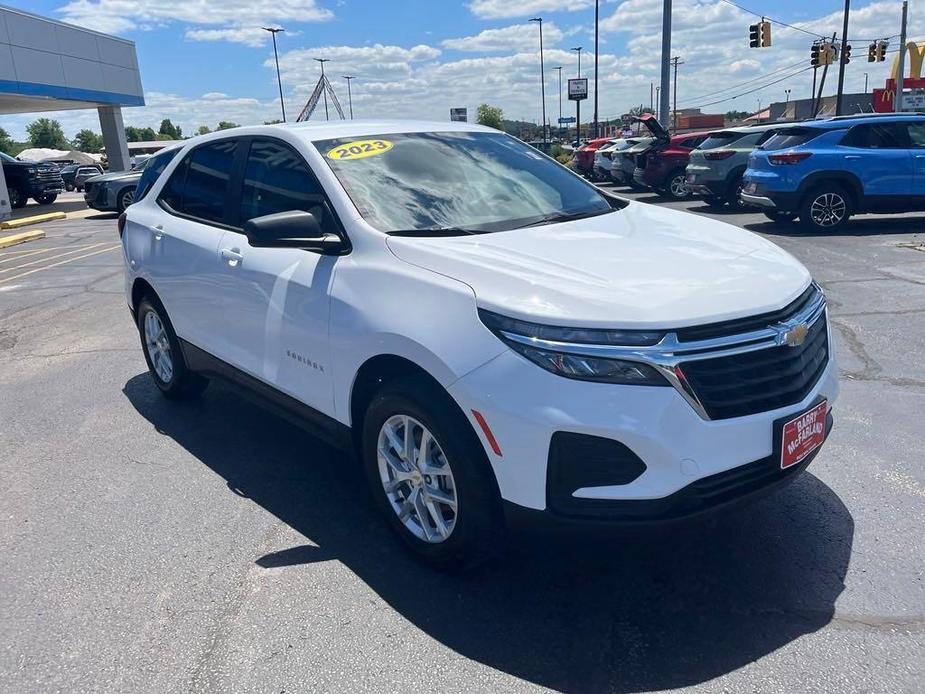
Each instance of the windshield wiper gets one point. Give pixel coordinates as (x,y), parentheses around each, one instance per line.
(561,217)
(438,231)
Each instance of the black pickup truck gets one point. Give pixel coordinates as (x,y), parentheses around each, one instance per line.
(25,180)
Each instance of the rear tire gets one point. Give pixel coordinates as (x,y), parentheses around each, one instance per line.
(125,198)
(440,498)
(825,208)
(163,353)
(46,199)
(714,202)
(734,199)
(676,186)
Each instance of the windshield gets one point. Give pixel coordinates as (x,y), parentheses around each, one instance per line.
(461,181)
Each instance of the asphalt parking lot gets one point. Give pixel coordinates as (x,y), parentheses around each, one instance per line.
(159,547)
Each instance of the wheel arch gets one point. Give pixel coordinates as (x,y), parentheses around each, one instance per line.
(140,288)
(846,179)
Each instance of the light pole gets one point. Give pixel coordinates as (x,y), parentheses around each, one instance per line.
(578,101)
(349,94)
(559,69)
(324,85)
(273,32)
(597,132)
(539,20)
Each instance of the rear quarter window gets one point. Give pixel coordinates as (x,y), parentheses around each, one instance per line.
(792,137)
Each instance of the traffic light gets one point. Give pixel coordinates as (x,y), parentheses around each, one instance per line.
(881,50)
(872,52)
(815,56)
(765,34)
(754,36)
(846,49)
(830,53)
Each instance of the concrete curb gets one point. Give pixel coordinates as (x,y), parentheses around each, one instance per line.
(13,239)
(34,219)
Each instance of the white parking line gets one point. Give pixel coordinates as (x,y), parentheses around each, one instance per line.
(62,262)
(46,258)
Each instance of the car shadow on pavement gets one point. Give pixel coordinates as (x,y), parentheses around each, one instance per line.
(633,611)
(857,226)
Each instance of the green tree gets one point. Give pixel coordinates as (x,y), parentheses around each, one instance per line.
(203,130)
(275,121)
(736,115)
(639,110)
(88,141)
(132,134)
(172,131)
(6,142)
(45,132)
(225,125)
(491,116)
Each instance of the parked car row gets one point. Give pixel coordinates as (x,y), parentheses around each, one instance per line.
(115,191)
(820,172)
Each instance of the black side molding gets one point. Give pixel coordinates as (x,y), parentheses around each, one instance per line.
(298,413)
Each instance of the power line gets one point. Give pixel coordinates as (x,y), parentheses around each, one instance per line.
(773,21)
(742,84)
(756,89)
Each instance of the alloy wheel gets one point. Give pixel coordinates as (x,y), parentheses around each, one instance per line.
(158,346)
(128,197)
(828,210)
(678,186)
(417,478)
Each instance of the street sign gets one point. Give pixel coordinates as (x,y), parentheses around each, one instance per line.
(578,88)
(459,115)
(914,101)
(566,119)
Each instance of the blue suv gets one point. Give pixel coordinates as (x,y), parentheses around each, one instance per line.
(824,171)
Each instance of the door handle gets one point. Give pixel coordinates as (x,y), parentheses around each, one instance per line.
(232,256)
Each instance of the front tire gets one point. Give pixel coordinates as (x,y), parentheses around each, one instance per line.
(125,198)
(163,354)
(430,477)
(17,199)
(825,208)
(46,199)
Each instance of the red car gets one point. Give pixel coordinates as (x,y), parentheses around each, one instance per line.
(662,166)
(584,155)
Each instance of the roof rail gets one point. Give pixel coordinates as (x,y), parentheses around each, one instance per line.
(854,116)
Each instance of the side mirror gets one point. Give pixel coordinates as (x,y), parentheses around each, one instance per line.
(293,229)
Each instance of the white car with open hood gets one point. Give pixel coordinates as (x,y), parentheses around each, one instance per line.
(496,338)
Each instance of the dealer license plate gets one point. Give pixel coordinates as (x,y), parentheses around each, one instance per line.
(802,435)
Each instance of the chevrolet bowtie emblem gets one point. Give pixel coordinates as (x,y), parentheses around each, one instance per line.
(795,336)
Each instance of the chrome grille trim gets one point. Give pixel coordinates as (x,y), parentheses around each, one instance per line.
(669,353)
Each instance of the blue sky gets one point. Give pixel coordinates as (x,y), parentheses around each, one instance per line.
(206,60)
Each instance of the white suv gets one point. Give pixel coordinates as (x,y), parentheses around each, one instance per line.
(496,337)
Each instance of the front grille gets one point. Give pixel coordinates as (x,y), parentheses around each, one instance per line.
(762,380)
(49,175)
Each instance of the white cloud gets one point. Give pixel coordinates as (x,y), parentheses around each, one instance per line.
(238,21)
(501,9)
(518,37)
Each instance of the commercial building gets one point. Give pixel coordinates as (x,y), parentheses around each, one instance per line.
(47,65)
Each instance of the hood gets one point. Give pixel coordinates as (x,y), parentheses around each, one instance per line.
(116,176)
(639,267)
(653,126)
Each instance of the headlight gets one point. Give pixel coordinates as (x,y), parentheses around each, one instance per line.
(32,171)
(548,346)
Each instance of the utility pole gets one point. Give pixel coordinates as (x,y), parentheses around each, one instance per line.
(559,69)
(274,31)
(898,101)
(597,132)
(539,20)
(842,58)
(578,101)
(675,62)
(666,62)
(324,91)
(817,103)
(349,94)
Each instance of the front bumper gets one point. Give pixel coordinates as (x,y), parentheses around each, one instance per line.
(100,197)
(683,453)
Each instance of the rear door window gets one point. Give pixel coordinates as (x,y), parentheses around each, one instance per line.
(198,187)
(878,136)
